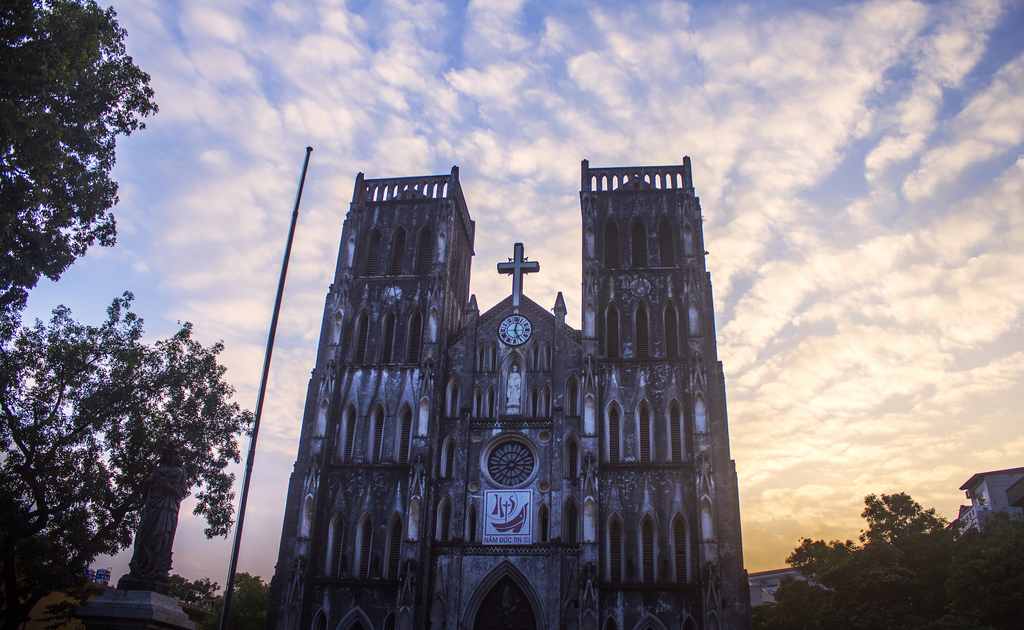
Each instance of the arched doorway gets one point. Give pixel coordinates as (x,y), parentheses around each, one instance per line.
(505,607)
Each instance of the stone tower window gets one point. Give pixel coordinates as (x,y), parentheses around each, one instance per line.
(643,332)
(415,337)
(362,330)
(373,254)
(671,331)
(424,245)
(387,337)
(494,357)
(471,523)
(542,523)
(337,546)
(570,522)
(377,444)
(545,400)
(647,549)
(444,520)
(572,396)
(347,434)
(615,551)
(389,623)
(646,446)
(572,457)
(397,253)
(490,402)
(611,332)
(675,430)
(448,458)
(611,245)
(365,540)
(679,550)
(547,355)
(405,436)
(610,624)
(638,244)
(534,408)
(452,404)
(666,252)
(613,433)
(394,548)
(320,621)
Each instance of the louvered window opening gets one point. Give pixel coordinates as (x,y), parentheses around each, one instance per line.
(638,250)
(679,536)
(611,245)
(671,332)
(364,550)
(677,434)
(423,253)
(612,333)
(320,623)
(415,337)
(394,549)
(337,541)
(643,347)
(449,460)
(373,254)
(665,249)
(397,253)
(574,395)
(645,434)
(613,434)
(387,338)
(378,437)
(446,521)
(362,330)
(647,533)
(570,522)
(350,435)
(573,460)
(615,552)
(403,447)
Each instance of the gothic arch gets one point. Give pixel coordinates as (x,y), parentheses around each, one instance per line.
(347,434)
(543,523)
(319,620)
(610,624)
(471,523)
(611,332)
(364,551)
(451,404)
(335,547)
(648,539)
(424,253)
(397,264)
(689,624)
(447,463)
(433,322)
(571,521)
(362,332)
(666,249)
(443,529)
(415,343)
(693,317)
(393,547)
(700,414)
(613,432)
(320,428)
(614,548)
(707,521)
(676,432)
(641,331)
(589,413)
(572,456)
(638,243)
(306,523)
(670,317)
(649,622)
(372,267)
(504,570)
(403,436)
(611,244)
(356,619)
(589,520)
(681,549)
(572,396)
(387,337)
(375,444)
(645,432)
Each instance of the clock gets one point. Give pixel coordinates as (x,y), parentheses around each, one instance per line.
(515,330)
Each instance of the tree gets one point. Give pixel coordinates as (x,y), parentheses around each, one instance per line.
(83,413)
(249,605)
(197,592)
(67,90)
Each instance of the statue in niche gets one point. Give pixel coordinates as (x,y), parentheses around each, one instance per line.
(164,490)
(514,390)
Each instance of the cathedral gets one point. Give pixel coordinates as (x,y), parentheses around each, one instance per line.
(504,469)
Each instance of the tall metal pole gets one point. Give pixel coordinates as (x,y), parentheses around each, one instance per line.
(259,403)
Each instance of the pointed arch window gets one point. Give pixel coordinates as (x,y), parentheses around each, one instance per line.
(337,547)
(646,437)
(675,428)
(448,459)
(480,357)
(394,548)
(365,540)
(534,408)
(545,401)
(490,402)
(377,444)
(613,434)
(572,457)
(397,253)
(666,252)
(573,398)
(543,522)
(389,623)
(477,402)
(610,624)
(494,357)
(373,254)
(643,332)
(387,338)
(638,244)
(405,436)
(611,245)
(320,621)
(362,331)
(570,522)
(679,551)
(671,332)
(547,355)
(444,520)
(452,404)
(424,252)
(347,434)
(647,549)
(611,343)
(535,353)
(471,523)
(615,551)
(415,337)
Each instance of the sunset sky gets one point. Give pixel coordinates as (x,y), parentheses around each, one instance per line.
(860,168)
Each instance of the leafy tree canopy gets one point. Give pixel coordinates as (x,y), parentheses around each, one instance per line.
(196,592)
(67,90)
(249,604)
(910,572)
(84,411)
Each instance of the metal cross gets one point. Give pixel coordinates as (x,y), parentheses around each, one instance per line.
(517,266)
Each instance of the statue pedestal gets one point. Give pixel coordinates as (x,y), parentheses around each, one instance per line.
(118,609)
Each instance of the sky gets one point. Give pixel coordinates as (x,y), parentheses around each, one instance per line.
(860,168)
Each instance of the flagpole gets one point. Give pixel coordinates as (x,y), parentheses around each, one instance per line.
(259,403)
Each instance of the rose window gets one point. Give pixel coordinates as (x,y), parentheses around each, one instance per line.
(510,463)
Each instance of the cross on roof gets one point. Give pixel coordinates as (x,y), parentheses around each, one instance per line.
(517,266)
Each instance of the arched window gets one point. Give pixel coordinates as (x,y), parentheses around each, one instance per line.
(444,520)
(320,621)
(680,549)
(373,254)
(643,332)
(471,523)
(480,357)
(365,540)
(394,548)
(534,409)
(675,431)
(535,354)
(397,253)
(405,436)
(572,396)
(424,251)
(387,338)
(572,457)
(415,337)
(389,622)
(615,551)
(478,397)
(638,244)
(647,549)
(570,522)
(377,444)
(610,624)
(614,435)
(666,252)
(347,434)
(646,441)
(452,404)
(543,522)
(362,330)
(337,542)
(611,332)
(494,357)
(611,245)
(545,399)
(490,402)
(547,355)
(448,458)
(671,332)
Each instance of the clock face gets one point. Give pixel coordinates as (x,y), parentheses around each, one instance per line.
(515,330)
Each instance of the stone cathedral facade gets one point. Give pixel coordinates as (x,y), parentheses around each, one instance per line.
(503,469)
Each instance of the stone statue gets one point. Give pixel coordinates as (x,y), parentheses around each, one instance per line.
(514,390)
(151,560)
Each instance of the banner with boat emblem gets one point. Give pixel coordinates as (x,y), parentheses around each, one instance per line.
(507,517)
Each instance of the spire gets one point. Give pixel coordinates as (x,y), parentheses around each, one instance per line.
(473,308)
(559,304)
